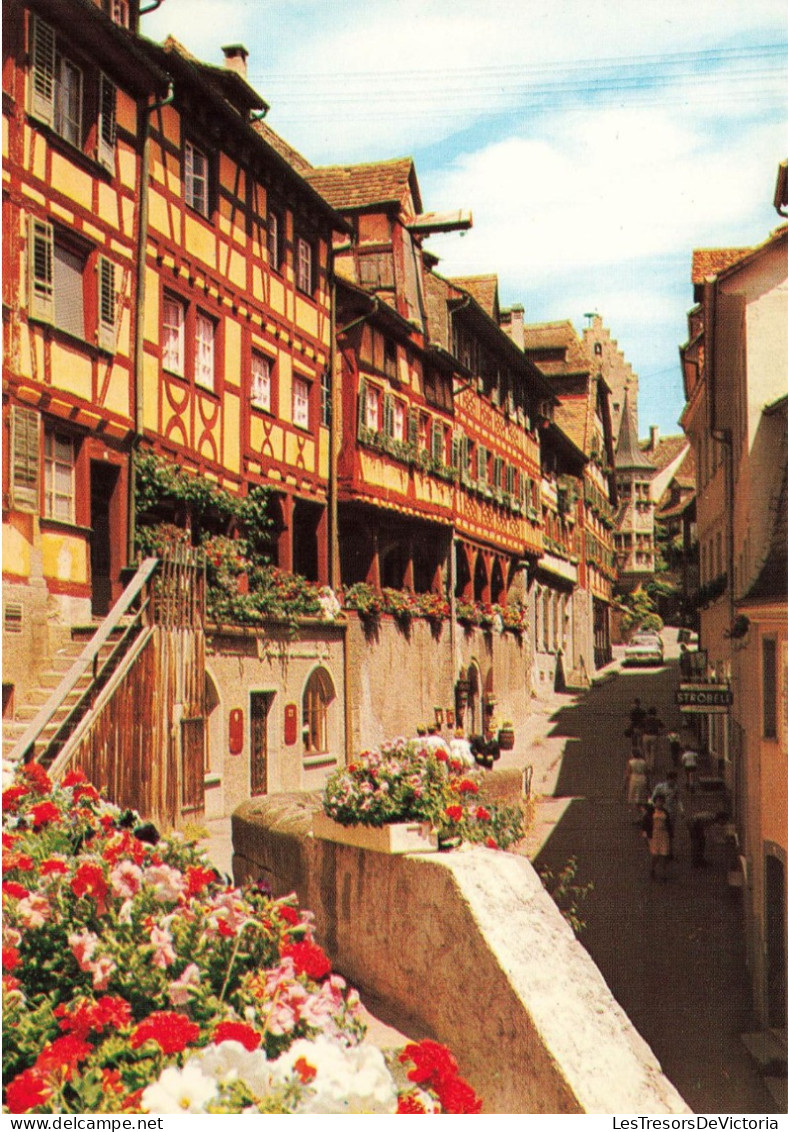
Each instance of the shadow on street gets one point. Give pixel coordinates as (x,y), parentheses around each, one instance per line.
(672,953)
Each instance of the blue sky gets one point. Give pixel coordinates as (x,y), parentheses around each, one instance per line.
(596,145)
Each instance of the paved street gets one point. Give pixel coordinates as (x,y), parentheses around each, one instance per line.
(672,953)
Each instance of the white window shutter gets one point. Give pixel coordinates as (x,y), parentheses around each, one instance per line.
(25,458)
(107,125)
(40,270)
(42,71)
(106,304)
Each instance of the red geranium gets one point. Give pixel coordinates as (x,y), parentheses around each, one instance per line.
(20,861)
(17,891)
(74,777)
(86,791)
(308,958)
(289,914)
(62,1056)
(171,1031)
(10,958)
(89,880)
(468,787)
(37,777)
(86,1016)
(457,1096)
(11,797)
(28,1090)
(482,814)
(491,843)
(454,813)
(431,1061)
(237,1032)
(44,813)
(53,865)
(410,1105)
(441,755)
(198,878)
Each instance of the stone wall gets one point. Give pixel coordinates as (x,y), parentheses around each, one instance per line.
(396,678)
(466,948)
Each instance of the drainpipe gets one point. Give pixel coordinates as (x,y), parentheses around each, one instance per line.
(139,324)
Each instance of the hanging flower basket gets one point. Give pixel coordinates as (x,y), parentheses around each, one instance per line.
(506,738)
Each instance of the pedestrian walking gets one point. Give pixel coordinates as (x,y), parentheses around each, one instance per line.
(658,831)
(669,790)
(674,742)
(636,783)
(689,761)
(637,717)
(652,728)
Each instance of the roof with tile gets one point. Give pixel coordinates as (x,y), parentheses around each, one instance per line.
(543,342)
(291,156)
(666,450)
(484,289)
(707,262)
(351,187)
(628,451)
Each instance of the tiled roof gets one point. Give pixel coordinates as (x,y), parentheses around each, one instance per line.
(571,415)
(437,293)
(666,451)
(711,261)
(348,187)
(551,337)
(484,289)
(628,452)
(291,156)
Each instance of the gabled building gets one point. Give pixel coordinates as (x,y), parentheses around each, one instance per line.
(583,413)
(634,532)
(619,376)
(736,376)
(76,87)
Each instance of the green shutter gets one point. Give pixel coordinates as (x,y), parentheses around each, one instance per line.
(437,440)
(25,458)
(107,127)
(388,415)
(413,427)
(362,406)
(40,270)
(106,304)
(481,463)
(42,71)
(456,450)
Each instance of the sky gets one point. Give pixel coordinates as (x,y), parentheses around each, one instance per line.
(595,144)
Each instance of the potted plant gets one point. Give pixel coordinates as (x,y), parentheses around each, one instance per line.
(506,735)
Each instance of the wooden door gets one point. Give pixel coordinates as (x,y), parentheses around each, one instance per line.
(259,710)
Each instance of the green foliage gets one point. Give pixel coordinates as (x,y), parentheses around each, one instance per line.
(639,612)
(567,893)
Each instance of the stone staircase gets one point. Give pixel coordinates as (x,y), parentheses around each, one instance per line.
(26,710)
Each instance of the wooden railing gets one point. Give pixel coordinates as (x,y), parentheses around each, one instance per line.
(50,729)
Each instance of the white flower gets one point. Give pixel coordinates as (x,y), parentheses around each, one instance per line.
(179,1090)
(230,1061)
(337,1078)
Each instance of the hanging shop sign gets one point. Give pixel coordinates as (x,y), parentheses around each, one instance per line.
(704,699)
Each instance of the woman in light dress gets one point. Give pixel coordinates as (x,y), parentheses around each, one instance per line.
(636,782)
(658,830)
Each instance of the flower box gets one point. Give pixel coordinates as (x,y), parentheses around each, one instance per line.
(396,837)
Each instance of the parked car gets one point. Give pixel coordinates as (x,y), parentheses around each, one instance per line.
(644,648)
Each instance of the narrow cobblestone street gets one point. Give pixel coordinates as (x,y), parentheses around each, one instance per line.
(672,953)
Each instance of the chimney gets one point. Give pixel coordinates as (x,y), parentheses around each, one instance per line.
(235,56)
(653,433)
(517,329)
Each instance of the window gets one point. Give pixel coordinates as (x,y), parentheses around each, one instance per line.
(261,382)
(372,410)
(204,335)
(195,177)
(304,266)
(318,696)
(769,676)
(58,280)
(300,402)
(25,458)
(172,336)
(119,11)
(438,442)
(274,239)
(58,476)
(398,420)
(67,97)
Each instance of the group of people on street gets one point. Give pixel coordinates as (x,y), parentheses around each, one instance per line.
(658,808)
(458,747)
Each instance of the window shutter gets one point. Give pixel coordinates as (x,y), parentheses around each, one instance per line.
(482,464)
(362,404)
(40,256)
(388,415)
(42,85)
(107,127)
(456,450)
(413,427)
(106,304)
(510,478)
(25,458)
(465,455)
(437,441)
(497,471)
